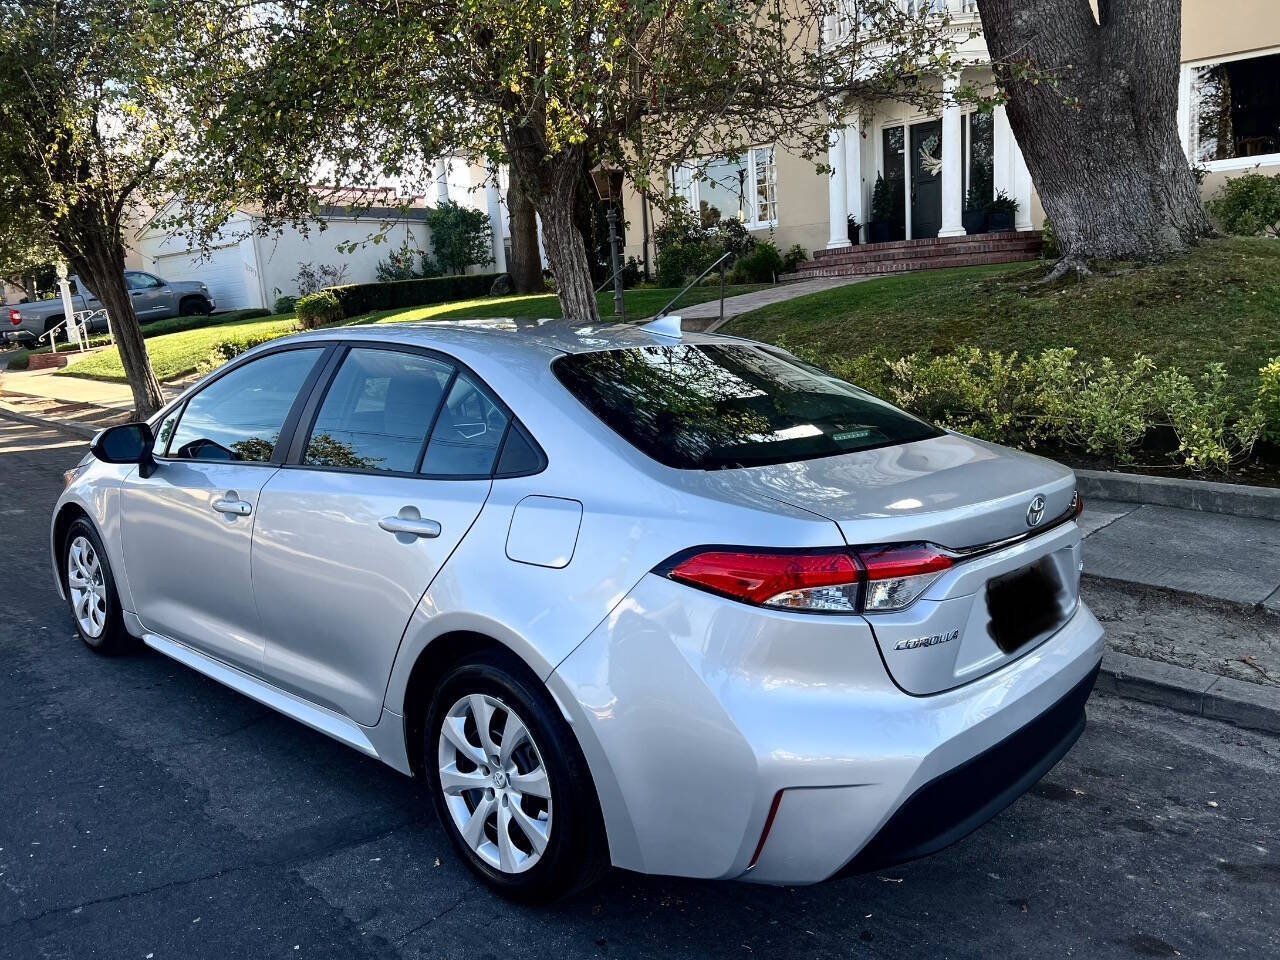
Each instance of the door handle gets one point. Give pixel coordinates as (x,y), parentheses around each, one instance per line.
(232,506)
(408,525)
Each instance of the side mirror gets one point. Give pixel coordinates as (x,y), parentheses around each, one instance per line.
(127,443)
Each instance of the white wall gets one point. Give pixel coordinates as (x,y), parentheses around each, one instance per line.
(280,256)
(270,264)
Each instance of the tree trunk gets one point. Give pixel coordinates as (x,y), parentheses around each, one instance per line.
(1102,143)
(568,256)
(526,260)
(550,181)
(99,261)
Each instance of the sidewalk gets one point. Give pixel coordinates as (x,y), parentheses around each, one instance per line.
(73,404)
(705,317)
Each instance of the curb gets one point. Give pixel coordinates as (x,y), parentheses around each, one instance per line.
(1248,705)
(1207,496)
(72,427)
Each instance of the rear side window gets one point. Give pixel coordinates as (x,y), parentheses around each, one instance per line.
(239,416)
(377,412)
(718,406)
(467,434)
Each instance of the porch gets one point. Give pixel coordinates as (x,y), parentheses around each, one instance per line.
(899,256)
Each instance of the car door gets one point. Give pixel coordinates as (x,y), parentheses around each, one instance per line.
(149,294)
(378,491)
(187,528)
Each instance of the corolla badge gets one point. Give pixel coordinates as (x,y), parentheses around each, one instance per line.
(915,643)
(1035,512)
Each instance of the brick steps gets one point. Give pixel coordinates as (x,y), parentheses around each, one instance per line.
(934,253)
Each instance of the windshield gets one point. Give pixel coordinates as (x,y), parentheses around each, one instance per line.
(717,406)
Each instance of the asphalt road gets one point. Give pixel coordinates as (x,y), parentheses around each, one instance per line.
(146,812)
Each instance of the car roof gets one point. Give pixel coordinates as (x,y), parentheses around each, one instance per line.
(516,336)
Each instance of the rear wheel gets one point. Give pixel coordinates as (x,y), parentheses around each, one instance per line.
(91,592)
(510,784)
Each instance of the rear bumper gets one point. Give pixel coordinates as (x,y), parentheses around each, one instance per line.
(950,807)
(706,720)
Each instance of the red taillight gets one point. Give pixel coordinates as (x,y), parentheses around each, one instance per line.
(819,580)
(1077,503)
(826,580)
(15,317)
(912,560)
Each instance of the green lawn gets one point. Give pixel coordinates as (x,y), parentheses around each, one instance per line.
(1219,302)
(175,355)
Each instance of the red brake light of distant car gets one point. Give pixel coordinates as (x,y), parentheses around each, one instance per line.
(898,575)
(818,580)
(15,317)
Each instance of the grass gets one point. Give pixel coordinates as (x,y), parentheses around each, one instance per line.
(1220,302)
(176,354)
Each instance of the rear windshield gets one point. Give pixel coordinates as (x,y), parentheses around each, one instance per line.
(717,406)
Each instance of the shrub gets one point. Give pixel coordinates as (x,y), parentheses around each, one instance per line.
(632,272)
(319,309)
(400,264)
(1002,203)
(358,298)
(761,265)
(1050,250)
(792,259)
(460,236)
(1268,400)
(311,279)
(1248,205)
(679,263)
(284,304)
(881,200)
(213,320)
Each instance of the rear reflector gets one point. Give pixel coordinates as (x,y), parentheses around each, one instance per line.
(826,580)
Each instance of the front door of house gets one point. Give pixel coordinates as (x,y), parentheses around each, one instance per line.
(926,179)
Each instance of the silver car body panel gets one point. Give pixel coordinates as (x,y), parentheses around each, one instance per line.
(693,710)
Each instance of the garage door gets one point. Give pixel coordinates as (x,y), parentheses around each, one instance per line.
(222,273)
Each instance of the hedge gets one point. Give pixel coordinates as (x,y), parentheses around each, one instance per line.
(361,298)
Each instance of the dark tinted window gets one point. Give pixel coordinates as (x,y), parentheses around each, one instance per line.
(467,432)
(377,411)
(519,454)
(714,406)
(239,415)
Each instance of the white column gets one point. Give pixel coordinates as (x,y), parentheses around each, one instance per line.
(952,162)
(853,171)
(494,203)
(441,171)
(1021,188)
(838,193)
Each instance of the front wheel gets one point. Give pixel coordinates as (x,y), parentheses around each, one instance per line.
(509,782)
(91,592)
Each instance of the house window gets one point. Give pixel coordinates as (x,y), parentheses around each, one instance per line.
(978,133)
(745,187)
(1235,111)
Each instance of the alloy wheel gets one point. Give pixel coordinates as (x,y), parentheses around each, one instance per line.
(494,783)
(87,586)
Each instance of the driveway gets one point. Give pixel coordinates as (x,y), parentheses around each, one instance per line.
(149,813)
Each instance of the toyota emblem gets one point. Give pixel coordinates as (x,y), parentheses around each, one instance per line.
(1035,512)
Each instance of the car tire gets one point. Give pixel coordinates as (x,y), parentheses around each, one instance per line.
(91,592)
(544,756)
(195,307)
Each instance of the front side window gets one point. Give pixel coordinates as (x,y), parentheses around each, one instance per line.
(1235,109)
(377,411)
(239,416)
(140,281)
(467,434)
(713,406)
(740,187)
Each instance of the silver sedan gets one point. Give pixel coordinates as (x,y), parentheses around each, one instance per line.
(678,603)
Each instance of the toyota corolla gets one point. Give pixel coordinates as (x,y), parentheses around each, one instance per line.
(619,595)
